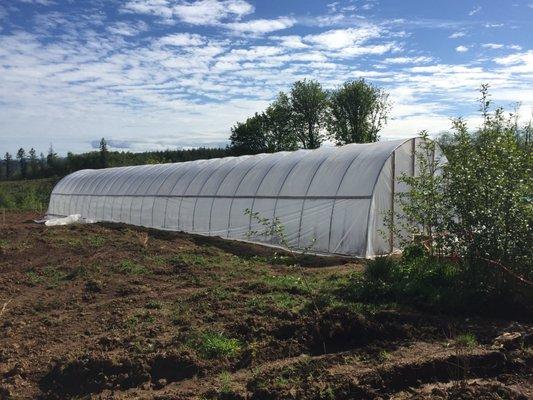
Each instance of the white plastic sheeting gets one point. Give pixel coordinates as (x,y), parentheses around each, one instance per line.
(68,220)
(333,195)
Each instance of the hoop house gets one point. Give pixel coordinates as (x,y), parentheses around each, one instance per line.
(333,196)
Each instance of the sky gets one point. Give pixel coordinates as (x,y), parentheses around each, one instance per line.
(158,74)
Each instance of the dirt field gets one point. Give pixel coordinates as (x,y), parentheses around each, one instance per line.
(115,312)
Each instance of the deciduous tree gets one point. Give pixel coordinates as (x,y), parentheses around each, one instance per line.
(357,112)
(308,104)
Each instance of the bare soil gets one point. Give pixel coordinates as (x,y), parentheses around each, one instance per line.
(109,311)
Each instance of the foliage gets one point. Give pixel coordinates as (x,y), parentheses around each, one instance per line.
(21,156)
(54,166)
(249,137)
(429,283)
(467,222)
(309,104)
(26,195)
(291,121)
(7,162)
(466,340)
(488,184)
(280,129)
(422,212)
(103,153)
(357,112)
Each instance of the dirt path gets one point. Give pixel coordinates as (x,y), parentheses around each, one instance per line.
(114,312)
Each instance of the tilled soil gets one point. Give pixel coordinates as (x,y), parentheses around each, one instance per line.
(109,311)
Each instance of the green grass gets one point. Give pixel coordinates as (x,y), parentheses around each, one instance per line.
(290,283)
(50,276)
(212,345)
(466,340)
(226,383)
(130,267)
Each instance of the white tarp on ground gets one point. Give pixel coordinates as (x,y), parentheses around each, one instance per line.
(336,195)
(68,220)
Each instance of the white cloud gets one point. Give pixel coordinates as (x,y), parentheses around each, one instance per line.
(343,38)
(518,62)
(40,2)
(492,45)
(128,28)
(457,35)
(182,39)
(202,12)
(207,12)
(496,46)
(475,10)
(461,49)
(409,60)
(290,41)
(259,26)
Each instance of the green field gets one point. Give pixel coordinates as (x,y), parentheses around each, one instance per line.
(26,195)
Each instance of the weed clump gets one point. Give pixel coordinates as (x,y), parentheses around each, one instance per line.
(213,345)
(130,267)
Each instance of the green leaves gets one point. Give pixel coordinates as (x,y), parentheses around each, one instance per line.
(357,112)
(479,205)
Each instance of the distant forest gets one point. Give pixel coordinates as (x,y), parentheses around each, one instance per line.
(28,165)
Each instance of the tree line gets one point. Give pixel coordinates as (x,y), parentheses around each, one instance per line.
(27,165)
(307,115)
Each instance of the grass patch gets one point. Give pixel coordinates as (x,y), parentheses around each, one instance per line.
(466,340)
(130,267)
(96,240)
(179,314)
(226,383)
(287,301)
(212,345)
(50,276)
(289,283)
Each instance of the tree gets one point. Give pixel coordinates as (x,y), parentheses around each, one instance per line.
(42,164)
(52,161)
(103,154)
(357,112)
(21,156)
(308,104)
(280,133)
(33,162)
(249,137)
(7,160)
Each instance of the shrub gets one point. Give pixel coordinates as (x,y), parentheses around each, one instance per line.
(475,209)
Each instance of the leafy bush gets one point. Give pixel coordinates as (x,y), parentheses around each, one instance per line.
(475,209)
(421,281)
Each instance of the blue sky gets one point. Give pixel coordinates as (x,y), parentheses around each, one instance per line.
(156,74)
